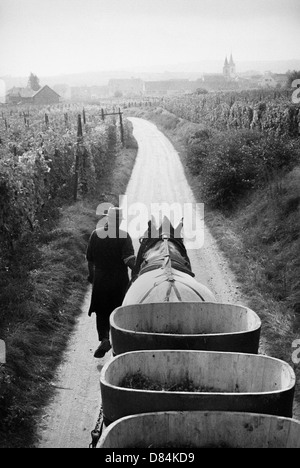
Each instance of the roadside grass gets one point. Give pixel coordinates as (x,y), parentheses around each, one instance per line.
(42,287)
(267,266)
(260,236)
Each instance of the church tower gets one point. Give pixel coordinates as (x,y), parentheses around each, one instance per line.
(226,68)
(229,68)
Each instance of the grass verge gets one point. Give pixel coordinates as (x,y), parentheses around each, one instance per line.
(42,287)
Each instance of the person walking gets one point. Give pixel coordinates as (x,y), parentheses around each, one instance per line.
(109,254)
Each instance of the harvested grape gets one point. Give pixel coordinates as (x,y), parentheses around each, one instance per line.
(139,381)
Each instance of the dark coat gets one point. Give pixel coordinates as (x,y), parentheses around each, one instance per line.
(111,278)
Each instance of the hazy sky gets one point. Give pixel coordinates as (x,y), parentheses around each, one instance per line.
(50,37)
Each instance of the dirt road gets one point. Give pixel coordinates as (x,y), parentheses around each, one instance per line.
(158,176)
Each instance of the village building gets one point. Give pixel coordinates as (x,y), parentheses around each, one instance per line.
(156,88)
(17,95)
(98,92)
(169,87)
(183,86)
(213,82)
(281,80)
(44,96)
(126,87)
(273,80)
(88,93)
(225,81)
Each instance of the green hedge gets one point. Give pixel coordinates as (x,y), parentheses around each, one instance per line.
(230,163)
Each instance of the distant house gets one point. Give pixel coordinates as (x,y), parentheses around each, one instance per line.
(157,88)
(281,80)
(273,80)
(44,96)
(267,81)
(17,95)
(169,87)
(98,92)
(126,87)
(217,82)
(183,86)
(88,93)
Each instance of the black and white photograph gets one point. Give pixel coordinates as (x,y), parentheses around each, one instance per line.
(149,227)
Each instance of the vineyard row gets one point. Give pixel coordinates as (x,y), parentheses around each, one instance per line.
(41,163)
(225,111)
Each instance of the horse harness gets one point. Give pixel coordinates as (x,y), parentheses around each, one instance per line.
(168,276)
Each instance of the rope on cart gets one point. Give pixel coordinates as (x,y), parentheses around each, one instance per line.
(97,432)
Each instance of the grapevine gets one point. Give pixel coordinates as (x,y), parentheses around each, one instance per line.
(37,158)
(263,110)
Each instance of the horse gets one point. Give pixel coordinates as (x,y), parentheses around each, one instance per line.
(163,271)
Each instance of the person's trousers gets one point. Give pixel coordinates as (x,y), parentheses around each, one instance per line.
(108,293)
(103,313)
(102,322)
